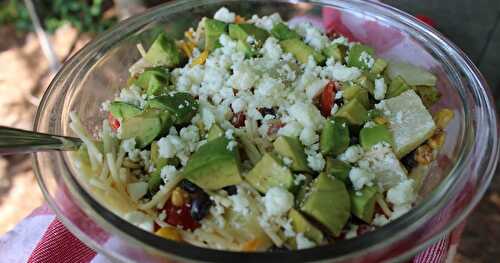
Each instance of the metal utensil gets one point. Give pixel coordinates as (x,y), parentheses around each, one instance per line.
(16,141)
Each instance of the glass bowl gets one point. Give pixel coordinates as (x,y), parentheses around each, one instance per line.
(453,186)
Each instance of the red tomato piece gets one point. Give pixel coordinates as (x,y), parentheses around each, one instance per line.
(429,21)
(239,119)
(113,122)
(180,216)
(327,98)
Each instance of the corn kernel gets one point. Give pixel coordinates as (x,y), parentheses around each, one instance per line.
(380,120)
(423,155)
(200,60)
(239,20)
(443,117)
(179,197)
(437,140)
(189,35)
(169,233)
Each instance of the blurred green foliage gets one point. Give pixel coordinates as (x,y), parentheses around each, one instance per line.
(85,15)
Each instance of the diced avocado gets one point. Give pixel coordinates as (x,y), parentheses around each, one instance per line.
(270,172)
(302,188)
(334,137)
(292,148)
(301,225)
(163,52)
(354,112)
(214,132)
(213,30)
(328,202)
(369,136)
(155,181)
(282,32)
(301,51)
(338,169)
(182,106)
(244,47)
(355,91)
(144,128)
(156,160)
(397,86)
(336,51)
(363,203)
(367,84)
(429,95)
(361,56)
(153,80)
(379,66)
(243,31)
(411,74)
(410,122)
(213,166)
(123,110)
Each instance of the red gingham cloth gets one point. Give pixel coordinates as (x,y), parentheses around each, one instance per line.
(58,245)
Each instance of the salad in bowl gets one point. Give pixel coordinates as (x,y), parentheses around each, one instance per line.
(255,134)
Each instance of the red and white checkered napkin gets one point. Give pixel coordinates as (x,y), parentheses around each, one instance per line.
(42,238)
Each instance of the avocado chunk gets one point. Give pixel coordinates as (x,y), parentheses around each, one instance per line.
(429,95)
(160,162)
(355,91)
(214,132)
(361,56)
(411,74)
(123,110)
(301,188)
(246,49)
(397,86)
(163,52)
(328,202)
(144,128)
(302,225)
(243,31)
(301,51)
(270,172)
(291,147)
(213,166)
(336,51)
(363,203)
(154,181)
(282,32)
(213,30)
(379,66)
(369,136)
(338,169)
(334,137)
(354,112)
(410,122)
(367,83)
(181,105)
(153,80)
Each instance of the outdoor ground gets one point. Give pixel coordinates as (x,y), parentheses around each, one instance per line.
(24,75)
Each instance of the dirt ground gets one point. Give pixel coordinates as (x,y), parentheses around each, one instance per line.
(24,75)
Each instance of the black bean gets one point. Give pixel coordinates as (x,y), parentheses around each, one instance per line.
(200,205)
(266,111)
(189,187)
(409,161)
(231,190)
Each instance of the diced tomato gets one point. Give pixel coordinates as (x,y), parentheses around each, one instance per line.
(239,119)
(429,21)
(180,216)
(327,98)
(113,122)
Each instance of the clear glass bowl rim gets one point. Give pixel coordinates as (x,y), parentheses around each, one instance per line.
(366,243)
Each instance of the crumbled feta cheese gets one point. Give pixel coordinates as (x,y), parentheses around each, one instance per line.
(229,134)
(402,194)
(306,114)
(292,129)
(128,145)
(315,160)
(380,89)
(369,124)
(141,220)
(190,135)
(352,232)
(335,108)
(168,173)
(277,201)
(231,145)
(170,145)
(240,203)
(342,73)
(238,105)
(315,88)
(299,178)
(367,59)
(360,177)
(308,136)
(287,161)
(312,35)
(224,15)
(137,190)
(266,22)
(380,220)
(303,242)
(352,154)
(271,49)
(339,94)
(132,95)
